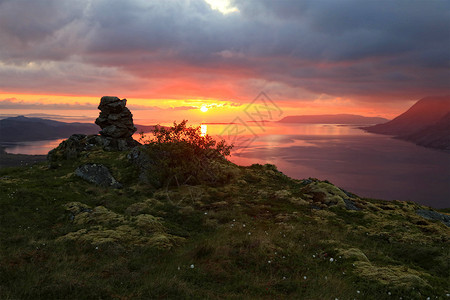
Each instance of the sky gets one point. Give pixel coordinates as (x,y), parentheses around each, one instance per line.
(171,58)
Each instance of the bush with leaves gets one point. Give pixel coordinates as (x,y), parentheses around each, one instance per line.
(182,155)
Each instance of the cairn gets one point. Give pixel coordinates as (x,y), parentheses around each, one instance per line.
(115,120)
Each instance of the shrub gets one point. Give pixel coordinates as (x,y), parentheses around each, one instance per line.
(182,155)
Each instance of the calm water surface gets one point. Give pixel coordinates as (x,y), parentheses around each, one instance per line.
(366,164)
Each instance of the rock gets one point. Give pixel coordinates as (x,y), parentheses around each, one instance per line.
(76,144)
(433,215)
(350,205)
(115,119)
(67,149)
(148,167)
(97,174)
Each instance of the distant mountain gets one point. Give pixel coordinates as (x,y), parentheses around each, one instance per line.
(333,119)
(20,129)
(426,112)
(426,123)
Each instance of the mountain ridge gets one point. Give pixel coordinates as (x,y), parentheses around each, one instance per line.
(21,129)
(425,112)
(426,123)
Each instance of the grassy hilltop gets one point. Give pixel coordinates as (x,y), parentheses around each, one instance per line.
(224,231)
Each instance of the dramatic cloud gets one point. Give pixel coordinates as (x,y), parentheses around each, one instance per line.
(13,103)
(295,50)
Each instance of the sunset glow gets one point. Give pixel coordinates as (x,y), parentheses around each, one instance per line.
(219,55)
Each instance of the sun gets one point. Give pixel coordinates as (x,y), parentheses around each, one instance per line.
(204,108)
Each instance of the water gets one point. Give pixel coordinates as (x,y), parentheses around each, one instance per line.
(366,164)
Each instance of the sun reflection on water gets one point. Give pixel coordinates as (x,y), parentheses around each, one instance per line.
(203,129)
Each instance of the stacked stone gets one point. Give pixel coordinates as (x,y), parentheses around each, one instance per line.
(115,120)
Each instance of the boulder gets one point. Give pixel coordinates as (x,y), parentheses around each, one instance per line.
(97,174)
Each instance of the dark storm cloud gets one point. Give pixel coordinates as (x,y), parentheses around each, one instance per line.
(348,48)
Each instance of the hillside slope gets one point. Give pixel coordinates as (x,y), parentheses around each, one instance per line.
(254,234)
(22,128)
(425,112)
(434,136)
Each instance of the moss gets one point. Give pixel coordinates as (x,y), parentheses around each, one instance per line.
(164,241)
(149,223)
(99,215)
(105,227)
(138,208)
(353,253)
(326,193)
(396,276)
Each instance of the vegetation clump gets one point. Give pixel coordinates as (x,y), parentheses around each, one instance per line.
(182,155)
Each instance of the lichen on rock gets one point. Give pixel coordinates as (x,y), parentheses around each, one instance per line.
(97,174)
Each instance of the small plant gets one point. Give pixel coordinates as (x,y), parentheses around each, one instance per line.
(184,155)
